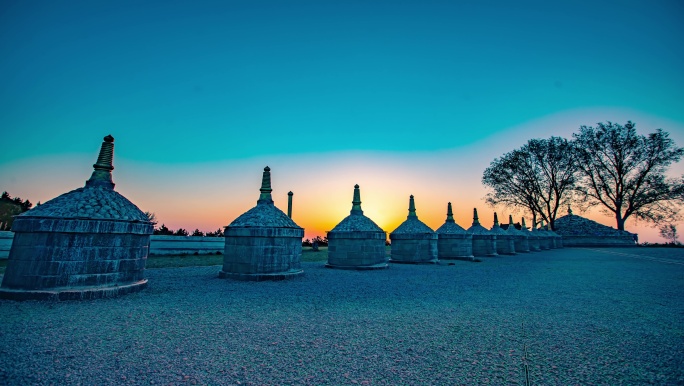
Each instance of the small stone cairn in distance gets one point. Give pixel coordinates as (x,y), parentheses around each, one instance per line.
(505,245)
(262,243)
(520,238)
(484,241)
(413,241)
(357,242)
(533,237)
(88,243)
(453,242)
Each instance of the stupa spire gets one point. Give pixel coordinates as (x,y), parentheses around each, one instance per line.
(450,214)
(476,220)
(356,202)
(412,209)
(496,220)
(510,221)
(522,225)
(266,190)
(102,175)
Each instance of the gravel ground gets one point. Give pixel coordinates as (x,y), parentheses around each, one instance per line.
(570,316)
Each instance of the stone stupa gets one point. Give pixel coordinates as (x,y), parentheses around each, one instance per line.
(413,241)
(545,241)
(533,238)
(505,245)
(357,242)
(578,231)
(521,239)
(484,241)
(88,243)
(453,242)
(262,243)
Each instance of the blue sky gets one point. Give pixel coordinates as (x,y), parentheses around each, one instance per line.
(197,86)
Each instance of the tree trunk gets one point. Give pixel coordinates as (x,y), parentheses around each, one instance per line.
(620,222)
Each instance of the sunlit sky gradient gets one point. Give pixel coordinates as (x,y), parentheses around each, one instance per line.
(401,97)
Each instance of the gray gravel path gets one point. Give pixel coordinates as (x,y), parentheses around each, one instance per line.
(571,316)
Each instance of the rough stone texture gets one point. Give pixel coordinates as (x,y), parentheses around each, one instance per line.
(93,202)
(264,216)
(262,243)
(504,241)
(520,239)
(577,231)
(357,242)
(544,239)
(88,243)
(57,258)
(453,243)
(357,250)
(262,253)
(357,223)
(5,243)
(484,242)
(534,241)
(413,242)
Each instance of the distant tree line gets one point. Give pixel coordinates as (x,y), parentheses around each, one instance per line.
(163,230)
(609,166)
(10,207)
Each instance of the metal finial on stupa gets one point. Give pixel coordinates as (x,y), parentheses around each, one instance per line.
(356,202)
(102,175)
(450,214)
(412,208)
(496,220)
(266,190)
(569,210)
(476,221)
(289,204)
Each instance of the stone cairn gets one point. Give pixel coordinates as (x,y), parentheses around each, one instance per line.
(484,242)
(262,243)
(505,245)
(533,237)
(453,242)
(413,241)
(521,239)
(544,238)
(89,243)
(557,239)
(357,242)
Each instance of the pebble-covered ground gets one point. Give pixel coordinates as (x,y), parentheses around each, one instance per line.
(559,317)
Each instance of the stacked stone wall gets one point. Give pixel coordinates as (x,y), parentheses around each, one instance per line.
(484,245)
(455,246)
(414,248)
(505,245)
(356,249)
(262,251)
(62,254)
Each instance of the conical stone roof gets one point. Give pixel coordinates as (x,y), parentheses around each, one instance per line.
(96,200)
(412,225)
(450,226)
(496,228)
(477,228)
(356,221)
(265,213)
(574,225)
(511,228)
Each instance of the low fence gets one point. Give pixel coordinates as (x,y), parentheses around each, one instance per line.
(180,245)
(159,245)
